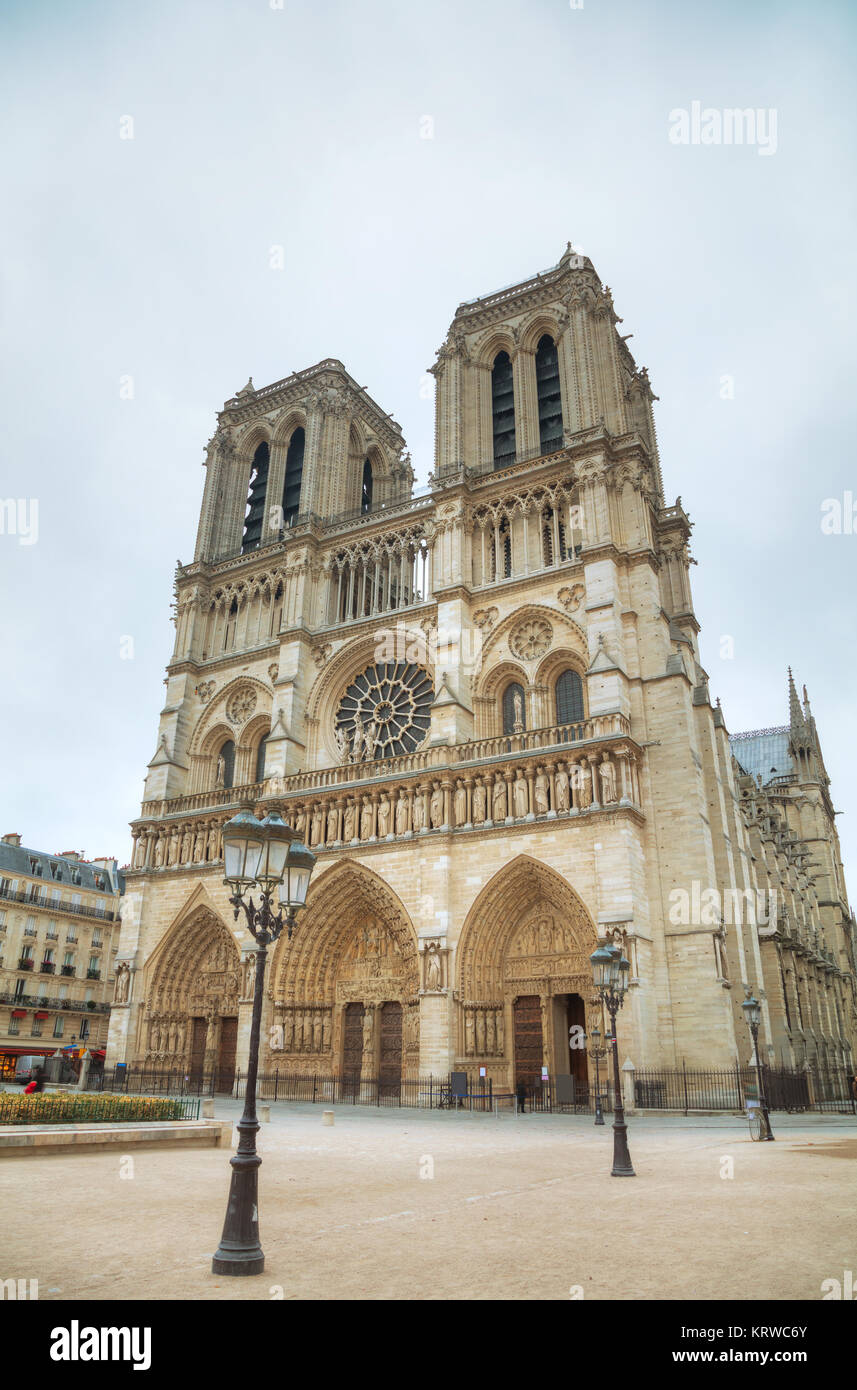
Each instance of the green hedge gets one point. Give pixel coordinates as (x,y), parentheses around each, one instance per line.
(50,1108)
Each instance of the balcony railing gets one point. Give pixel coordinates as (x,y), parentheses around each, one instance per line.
(93,974)
(25,963)
(51,906)
(44,1001)
(68,971)
(47,967)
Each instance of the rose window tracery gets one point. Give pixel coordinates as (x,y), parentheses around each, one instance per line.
(241,705)
(385,711)
(531,639)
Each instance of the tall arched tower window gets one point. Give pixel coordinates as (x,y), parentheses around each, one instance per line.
(294,476)
(226,764)
(550,399)
(366,493)
(569,698)
(503,410)
(255,515)
(260,759)
(514,719)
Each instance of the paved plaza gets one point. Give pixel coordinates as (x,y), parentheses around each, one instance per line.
(410,1204)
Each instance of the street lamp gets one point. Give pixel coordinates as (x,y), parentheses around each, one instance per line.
(753,1014)
(268,855)
(610,974)
(596,1052)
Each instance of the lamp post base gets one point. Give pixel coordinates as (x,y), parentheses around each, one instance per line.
(622,1166)
(239,1252)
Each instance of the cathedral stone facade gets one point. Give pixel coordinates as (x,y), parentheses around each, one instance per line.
(485,710)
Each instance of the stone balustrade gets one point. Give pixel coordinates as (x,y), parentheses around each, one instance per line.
(479,785)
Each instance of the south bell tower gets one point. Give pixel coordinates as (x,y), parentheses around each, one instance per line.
(483,707)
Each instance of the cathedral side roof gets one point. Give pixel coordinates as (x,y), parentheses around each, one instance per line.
(763,752)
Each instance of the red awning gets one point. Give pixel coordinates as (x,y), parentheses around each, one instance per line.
(19,1013)
(42,1013)
(24,1052)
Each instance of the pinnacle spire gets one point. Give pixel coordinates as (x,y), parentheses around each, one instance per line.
(795,714)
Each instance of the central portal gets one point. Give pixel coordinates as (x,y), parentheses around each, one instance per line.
(529,1043)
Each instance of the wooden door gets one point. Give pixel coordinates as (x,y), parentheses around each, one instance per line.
(197,1050)
(226,1057)
(529,1049)
(576,1015)
(352,1045)
(390,1066)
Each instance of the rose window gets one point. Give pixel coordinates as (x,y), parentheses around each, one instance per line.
(385,711)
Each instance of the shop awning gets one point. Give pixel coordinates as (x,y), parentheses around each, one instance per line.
(42,1013)
(19,1013)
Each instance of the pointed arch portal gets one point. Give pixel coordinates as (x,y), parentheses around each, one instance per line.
(524,980)
(345,988)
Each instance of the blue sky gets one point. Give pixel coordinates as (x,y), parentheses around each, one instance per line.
(300,127)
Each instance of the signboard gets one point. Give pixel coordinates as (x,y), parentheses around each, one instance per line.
(544,1073)
(458,1083)
(481,1071)
(564,1089)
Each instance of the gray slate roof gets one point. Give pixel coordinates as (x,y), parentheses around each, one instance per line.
(764,752)
(15,860)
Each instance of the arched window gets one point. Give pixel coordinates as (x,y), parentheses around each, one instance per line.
(553,539)
(548,391)
(260,759)
(569,698)
(503,410)
(226,756)
(232,619)
(501,566)
(255,514)
(366,495)
(514,718)
(276,611)
(294,475)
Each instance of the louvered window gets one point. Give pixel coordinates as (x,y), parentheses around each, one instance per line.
(227,753)
(294,476)
(550,400)
(255,516)
(569,698)
(503,410)
(366,495)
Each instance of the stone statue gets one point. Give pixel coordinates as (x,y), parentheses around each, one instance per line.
(607,773)
(499,806)
(479,802)
(522,796)
(199,846)
(288,1029)
(436,806)
(366,819)
(468,1033)
(213,842)
(316,1032)
(357,739)
(174,846)
(317,825)
(433,968)
(221,771)
(122,985)
(349,830)
(369,737)
(383,816)
(562,802)
(368,1021)
(489,1032)
(518,705)
(300,822)
(541,793)
(584,786)
(459,803)
(332,818)
(341,744)
(480,1033)
(403,813)
(419,809)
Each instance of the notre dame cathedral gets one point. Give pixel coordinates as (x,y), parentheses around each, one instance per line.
(485,709)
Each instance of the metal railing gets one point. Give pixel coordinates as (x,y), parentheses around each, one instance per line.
(51,1107)
(688,1089)
(49,904)
(45,1001)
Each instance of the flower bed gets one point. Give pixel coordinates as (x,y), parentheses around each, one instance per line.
(48,1108)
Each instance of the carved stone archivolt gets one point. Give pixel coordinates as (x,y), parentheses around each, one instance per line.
(195,974)
(528,924)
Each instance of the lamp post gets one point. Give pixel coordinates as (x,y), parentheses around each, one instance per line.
(596,1052)
(610,972)
(753,1014)
(257,854)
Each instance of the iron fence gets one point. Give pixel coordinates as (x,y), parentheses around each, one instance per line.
(680,1089)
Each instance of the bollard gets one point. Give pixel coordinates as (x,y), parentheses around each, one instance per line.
(208,1109)
(327,1117)
(265,1113)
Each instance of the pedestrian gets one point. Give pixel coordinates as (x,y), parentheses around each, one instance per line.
(36,1084)
(521,1092)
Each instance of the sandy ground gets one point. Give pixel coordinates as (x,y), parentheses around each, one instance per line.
(517,1208)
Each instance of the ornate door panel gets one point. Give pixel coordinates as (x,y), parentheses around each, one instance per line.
(390,1066)
(197,1051)
(226,1059)
(529,1048)
(352,1043)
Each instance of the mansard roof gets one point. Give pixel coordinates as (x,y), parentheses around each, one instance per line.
(54,868)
